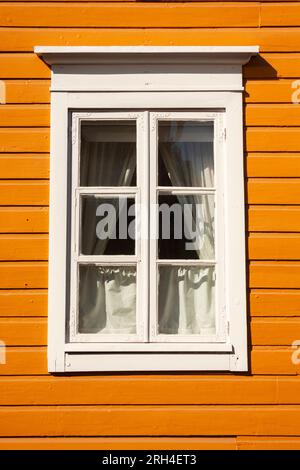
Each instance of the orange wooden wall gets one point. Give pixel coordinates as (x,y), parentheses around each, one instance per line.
(228,411)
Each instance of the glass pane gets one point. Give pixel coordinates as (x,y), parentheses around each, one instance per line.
(108,153)
(186,300)
(186,153)
(186,227)
(107,225)
(107,299)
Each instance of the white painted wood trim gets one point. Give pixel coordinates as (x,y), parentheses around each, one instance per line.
(146,54)
(146,362)
(189,78)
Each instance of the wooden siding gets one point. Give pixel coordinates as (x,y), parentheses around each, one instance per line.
(259,410)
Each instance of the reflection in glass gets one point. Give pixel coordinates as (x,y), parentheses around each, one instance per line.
(187,300)
(186,153)
(186,227)
(107,299)
(108,153)
(107,225)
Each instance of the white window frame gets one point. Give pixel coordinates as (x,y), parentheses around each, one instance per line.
(139,259)
(167,79)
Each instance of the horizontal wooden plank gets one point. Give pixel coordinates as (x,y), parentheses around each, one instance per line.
(24,219)
(274,361)
(270,91)
(119,443)
(275,302)
(273,191)
(272,218)
(24,331)
(19,303)
(272,115)
(20,275)
(21,193)
(149,390)
(269,39)
(273,139)
(275,332)
(24,140)
(23,247)
(26,91)
(264,361)
(276,274)
(23,66)
(276,15)
(273,165)
(270,246)
(269,66)
(153,1)
(268,443)
(25,116)
(14,166)
(150,420)
(25,361)
(129,15)
(264,331)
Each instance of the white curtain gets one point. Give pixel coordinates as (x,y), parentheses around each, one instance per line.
(186,294)
(107,299)
(107,294)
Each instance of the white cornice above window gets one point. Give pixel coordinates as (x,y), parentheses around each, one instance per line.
(237,55)
(142,68)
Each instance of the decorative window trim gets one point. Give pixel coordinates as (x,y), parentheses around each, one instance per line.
(146,78)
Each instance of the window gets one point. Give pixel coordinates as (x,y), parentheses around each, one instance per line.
(147,236)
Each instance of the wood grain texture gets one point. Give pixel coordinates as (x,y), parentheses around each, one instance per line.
(271,246)
(272,115)
(32,166)
(20,39)
(277,15)
(26,91)
(149,390)
(116,443)
(276,274)
(27,303)
(24,116)
(275,332)
(275,302)
(152,420)
(21,275)
(24,140)
(23,247)
(129,15)
(270,66)
(273,165)
(22,66)
(25,361)
(270,139)
(24,331)
(26,193)
(270,91)
(24,219)
(272,218)
(273,191)
(268,443)
(273,361)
